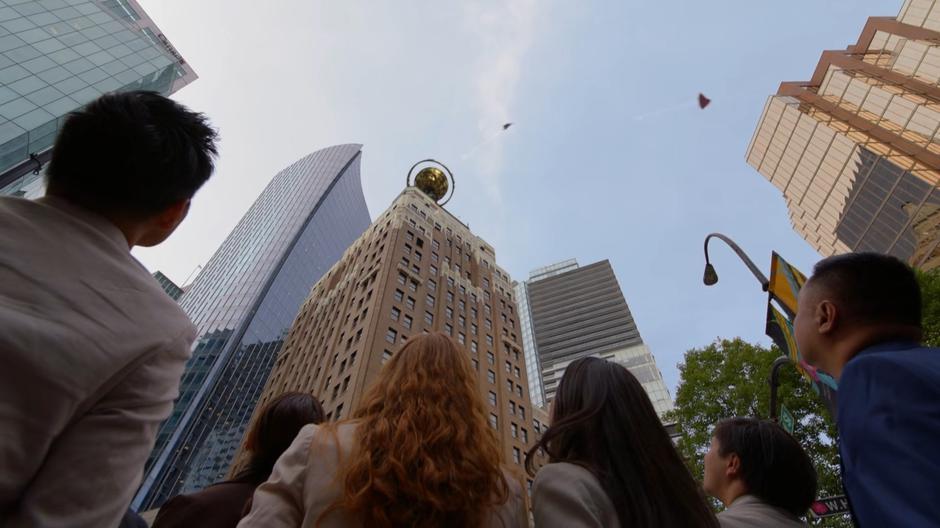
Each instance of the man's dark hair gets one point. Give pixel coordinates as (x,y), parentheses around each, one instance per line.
(132,153)
(872,288)
(774,466)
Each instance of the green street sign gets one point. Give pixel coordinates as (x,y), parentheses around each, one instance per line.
(786,420)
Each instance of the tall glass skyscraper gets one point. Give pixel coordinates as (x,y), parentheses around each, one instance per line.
(243,303)
(578,312)
(58,55)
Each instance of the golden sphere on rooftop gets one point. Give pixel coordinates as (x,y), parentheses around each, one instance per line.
(433,182)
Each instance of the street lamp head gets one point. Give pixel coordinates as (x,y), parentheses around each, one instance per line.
(711,276)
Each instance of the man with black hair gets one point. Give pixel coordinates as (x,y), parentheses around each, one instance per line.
(92,347)
(760,473)
(859,319)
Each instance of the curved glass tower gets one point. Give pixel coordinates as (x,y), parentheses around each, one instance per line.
(244,302)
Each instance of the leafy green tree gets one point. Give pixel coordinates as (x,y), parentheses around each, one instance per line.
(730,378)
(930,291)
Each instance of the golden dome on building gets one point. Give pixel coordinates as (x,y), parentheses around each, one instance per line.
(433,182)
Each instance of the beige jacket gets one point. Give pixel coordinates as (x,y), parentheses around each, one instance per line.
(747,511)
(92,353)
(568,496)
(305,482)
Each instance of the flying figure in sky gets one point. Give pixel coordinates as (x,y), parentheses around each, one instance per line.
(703,101)
(507,125)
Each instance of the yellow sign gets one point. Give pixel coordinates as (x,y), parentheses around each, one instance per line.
(785,283)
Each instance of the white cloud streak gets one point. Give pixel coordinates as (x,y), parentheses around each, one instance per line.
(506,31)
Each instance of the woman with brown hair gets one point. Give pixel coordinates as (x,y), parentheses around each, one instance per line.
(611,462)
(418,452)
(222,505)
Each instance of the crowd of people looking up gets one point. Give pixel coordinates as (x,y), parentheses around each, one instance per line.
(93,352)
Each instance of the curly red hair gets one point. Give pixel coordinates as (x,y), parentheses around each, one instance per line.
(426,455)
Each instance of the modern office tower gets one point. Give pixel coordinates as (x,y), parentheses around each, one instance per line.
(243,303)
(532,362)
(416,269)
(58,55)
(855,150)
(580,311)
(168,285)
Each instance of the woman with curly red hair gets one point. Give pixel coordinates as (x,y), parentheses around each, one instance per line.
(418,452)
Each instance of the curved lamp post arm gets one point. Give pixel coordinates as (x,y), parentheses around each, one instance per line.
(711,276)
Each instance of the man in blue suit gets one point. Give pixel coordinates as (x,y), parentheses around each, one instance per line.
(859,319)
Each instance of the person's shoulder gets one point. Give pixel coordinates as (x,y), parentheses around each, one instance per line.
(574,478)
(217,504)
(749,511)
(565,470)
(514,481)
(13,203)
(330,439)
(912,364)
(225,488)
(16,205)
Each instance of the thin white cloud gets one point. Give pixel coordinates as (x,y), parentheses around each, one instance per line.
(506,31)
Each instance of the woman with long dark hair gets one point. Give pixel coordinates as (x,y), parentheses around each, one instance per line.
(611,461)
(222,505)
(418,452)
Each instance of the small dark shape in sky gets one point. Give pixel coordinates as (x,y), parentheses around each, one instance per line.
(703,101)
(507,125)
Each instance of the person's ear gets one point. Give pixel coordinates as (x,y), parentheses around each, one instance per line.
(826,317)
(171,217)
(733,466)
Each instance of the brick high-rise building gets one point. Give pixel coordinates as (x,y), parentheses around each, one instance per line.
(855,150)
(417,268)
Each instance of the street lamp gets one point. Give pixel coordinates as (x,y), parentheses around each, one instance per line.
(711,276)
(774,385)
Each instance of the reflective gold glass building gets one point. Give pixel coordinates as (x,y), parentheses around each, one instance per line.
(855,150)
(415,269)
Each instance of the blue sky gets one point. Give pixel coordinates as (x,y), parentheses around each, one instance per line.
(608,158)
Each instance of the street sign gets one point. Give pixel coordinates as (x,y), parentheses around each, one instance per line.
(838,505)
(785,283)
(786,420)
(784,288)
